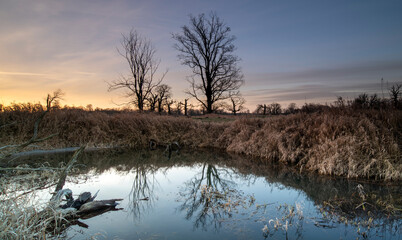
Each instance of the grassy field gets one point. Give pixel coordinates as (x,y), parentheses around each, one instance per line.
(342,142)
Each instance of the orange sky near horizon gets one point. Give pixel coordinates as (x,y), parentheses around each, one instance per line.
(296,51)
(83,88)
(81,91)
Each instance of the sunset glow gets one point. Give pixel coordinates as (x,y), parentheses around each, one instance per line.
(296,51)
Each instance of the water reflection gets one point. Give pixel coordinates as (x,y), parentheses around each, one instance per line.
(200,200)
(212,195)
(142,196)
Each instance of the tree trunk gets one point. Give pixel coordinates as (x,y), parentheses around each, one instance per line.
(208,93)
(169,111)
(185,107)
(159,107)
(140,103)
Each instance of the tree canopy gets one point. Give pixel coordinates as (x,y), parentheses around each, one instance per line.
(206,46)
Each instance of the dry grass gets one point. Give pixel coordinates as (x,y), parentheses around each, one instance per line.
(76,127)
(363,144)
(353,144)
(22,221)
(22,214)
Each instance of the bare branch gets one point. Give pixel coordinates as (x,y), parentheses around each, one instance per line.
(236,102)
(206,46)
(68,167)
(140,56)
(163,92)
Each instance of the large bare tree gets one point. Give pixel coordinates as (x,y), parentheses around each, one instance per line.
(206,46)
(140,56)
(236,103)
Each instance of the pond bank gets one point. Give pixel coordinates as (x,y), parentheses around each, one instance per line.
(233,186)
(353,144)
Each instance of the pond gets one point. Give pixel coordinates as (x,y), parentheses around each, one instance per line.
(214,195)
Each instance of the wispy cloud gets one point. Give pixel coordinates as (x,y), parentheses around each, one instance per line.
(358,72)
(359,69)
(23,73)
(85,73)
(315,93)
(322,84)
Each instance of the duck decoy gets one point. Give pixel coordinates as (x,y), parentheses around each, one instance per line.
(98,205)
(81,200)
(67,193)
(85,203)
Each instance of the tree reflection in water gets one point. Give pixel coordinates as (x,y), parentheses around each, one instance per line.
(205,197)
(142,194)
(210,197)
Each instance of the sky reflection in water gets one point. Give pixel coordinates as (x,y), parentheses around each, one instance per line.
(208,195)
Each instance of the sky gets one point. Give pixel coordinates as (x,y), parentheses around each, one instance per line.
(290,51)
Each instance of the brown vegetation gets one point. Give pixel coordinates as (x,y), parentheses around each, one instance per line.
(342,142)
(23,215)
(351,144)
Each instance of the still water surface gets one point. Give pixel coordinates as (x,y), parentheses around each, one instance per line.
(213,195)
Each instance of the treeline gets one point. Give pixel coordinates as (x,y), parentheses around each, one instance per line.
(363,101)
(171,107)
(163,104)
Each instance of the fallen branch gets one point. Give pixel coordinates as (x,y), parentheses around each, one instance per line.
(70,164)
(20,147)
(34,189)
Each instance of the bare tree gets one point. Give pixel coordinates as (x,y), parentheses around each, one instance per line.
(236,103)
(169,103)
(206,46)
(89,108)
(53,101)
(140,56)
(152,101)
(394,93)
(292,108)
(275,108)
(163,92)
(185,106)
(262,109)
(179,106)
